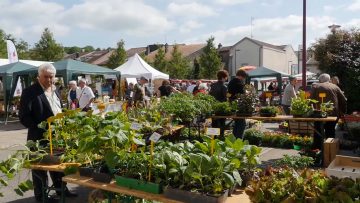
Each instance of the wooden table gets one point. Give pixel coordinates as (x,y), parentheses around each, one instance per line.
(280,118)
(239,195)
(55,168)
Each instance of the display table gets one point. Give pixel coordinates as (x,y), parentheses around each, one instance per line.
(280,118)
(55,168)
(239,196)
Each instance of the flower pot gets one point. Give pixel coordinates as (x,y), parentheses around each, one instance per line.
(318,114)
(101,177)
(297,147)
(187,196)
(86,171)
(48,160)
(138,184)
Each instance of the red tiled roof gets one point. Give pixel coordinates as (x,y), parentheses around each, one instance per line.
(187,51)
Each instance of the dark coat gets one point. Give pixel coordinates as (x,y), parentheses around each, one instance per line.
(236,86)
(333,94)
(34,108)
(219,90)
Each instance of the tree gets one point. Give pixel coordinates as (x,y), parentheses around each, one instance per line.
(118,57)
(178,65)
(159,62)
(339,55)
(196,72)
(47,49)
(22,49)
(3,51)
(72,50)
(210,60)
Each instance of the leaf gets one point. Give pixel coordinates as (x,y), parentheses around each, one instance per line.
(236,162)
(237,177)
(228,179)
(3,182)
(18,191)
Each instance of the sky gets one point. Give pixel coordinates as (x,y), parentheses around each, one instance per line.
(102,23)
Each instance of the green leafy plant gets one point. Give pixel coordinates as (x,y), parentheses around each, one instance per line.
(297,162)
(224,108)
(269,111)
(301,106)
(246,103)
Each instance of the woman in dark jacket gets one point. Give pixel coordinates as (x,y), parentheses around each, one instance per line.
(219,91)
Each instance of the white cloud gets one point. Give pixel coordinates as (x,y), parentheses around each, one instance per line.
(352,23)
(232,2)
(189,26)
(278,31)
(28,18)
(190,10)
(131,17)
(354,6)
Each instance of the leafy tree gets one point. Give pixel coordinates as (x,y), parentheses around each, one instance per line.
(22,49)
(160,63)
(143,56)
(47,49)
(210,60)
(339,55)
(72,50)
(178,65)
(3,51)
(118,57)
(196,72)
(88,48)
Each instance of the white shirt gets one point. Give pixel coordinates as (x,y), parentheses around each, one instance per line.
(190,89)
(86,94)
(289,93)
(54,102)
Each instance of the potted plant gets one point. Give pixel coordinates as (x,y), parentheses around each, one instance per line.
(268,111)
(246,104)
(300,106)
(224,108)
(325,108)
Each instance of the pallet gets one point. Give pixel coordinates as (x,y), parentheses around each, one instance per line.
(302,128)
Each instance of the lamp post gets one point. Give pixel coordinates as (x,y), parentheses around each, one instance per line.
(236,50)
(304,47)
(299,50)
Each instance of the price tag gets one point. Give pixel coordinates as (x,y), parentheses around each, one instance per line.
(135,126)
(268,94)
(155,137)
(322,95)
(213,131)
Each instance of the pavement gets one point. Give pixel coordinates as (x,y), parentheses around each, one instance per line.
(13,136)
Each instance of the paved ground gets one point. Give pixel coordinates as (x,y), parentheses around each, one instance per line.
(13,135)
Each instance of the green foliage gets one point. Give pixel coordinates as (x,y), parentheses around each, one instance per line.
(3,50)
(159,62)
(178,66)
(47,49)
(297,162)
(22,47)
(76,49)
(289,185)
(224,108)
(246,103)
(268,111)
(301,106)
(210,60)
(338,54)
(118,57)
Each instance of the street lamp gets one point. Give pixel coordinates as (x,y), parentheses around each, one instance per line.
(333,28)
(236,50)
(299,50)
(304,47)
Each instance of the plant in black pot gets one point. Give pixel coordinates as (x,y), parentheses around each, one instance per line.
(246,104)
(268,111)
(224,108)
(325,109)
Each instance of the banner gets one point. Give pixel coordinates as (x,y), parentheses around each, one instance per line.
(12,54)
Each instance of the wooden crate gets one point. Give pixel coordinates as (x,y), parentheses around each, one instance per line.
(331,148)
(344,166)
(302,128)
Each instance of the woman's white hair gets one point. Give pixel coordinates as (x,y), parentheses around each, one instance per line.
(72,82)
(82,80)
(203,86)
(324,78)
(46,67)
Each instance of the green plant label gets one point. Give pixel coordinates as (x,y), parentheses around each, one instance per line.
(213,131)
(155,137)
(135,126)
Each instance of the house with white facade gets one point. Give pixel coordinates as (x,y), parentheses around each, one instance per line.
(250,52)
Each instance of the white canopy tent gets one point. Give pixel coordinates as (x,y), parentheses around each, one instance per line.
(308,74)
(136,67)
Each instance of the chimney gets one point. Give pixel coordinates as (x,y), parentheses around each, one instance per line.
(77,55)
(219,46)
(166,47)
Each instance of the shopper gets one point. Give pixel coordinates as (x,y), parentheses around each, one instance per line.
(289,94)
(237,86)
(140,93)
(86,96)
(39,102)
(332,94)
(73,95)
(165,89)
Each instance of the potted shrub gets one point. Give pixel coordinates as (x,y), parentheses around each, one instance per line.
(246,104)
(268,111)
(301,107)
(224,108)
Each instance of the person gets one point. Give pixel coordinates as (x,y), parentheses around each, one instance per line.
(37,103)
(335,80)
(202,89)
(237,86)
(73,94)
(86,96)
(289,93)
(196,88)
(332,94)
(191,87)
(219,91)
(166,89)
(140,92)
(271,87)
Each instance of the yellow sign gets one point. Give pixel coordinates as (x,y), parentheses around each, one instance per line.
(268,94)
(213,131)
(322,95)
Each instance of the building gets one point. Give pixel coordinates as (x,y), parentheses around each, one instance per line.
(250,52)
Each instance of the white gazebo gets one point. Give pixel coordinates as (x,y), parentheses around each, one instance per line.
(136,67)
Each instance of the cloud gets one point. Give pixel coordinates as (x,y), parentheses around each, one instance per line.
(232,2)
(28,18)
(132,17)
(190,10)
(354,6)
(189,26)
(352,23)
(278,31)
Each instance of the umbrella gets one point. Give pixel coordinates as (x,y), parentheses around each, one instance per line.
(247,68)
